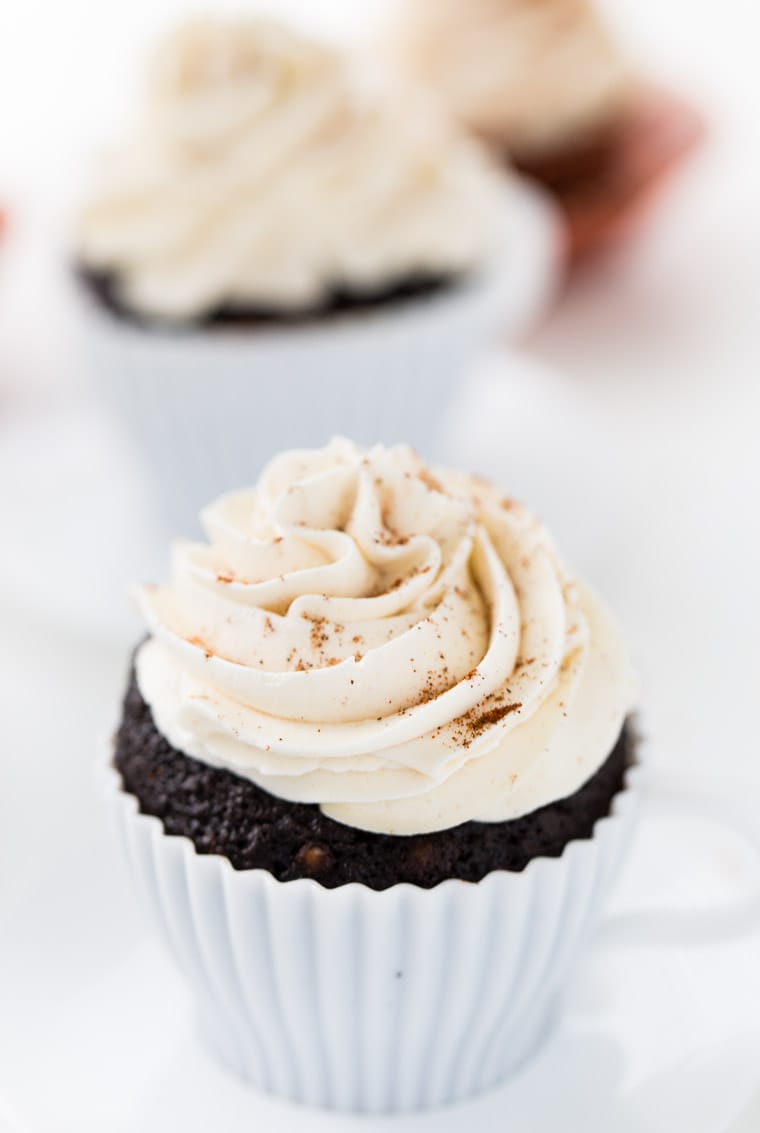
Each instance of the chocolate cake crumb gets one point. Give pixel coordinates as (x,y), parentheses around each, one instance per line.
(314,859)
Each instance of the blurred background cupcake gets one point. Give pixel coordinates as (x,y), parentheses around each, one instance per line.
(279,249)
(545,83)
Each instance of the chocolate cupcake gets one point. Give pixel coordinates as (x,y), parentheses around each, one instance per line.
(548,87)
(278,250)
(374,712)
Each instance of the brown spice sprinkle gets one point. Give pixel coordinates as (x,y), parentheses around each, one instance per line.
(472,725)
(319,635)
(570,660)
(430,481)
(387,536)
(433,690)
(226,578)
(493,716)
(268,627)
(199,644)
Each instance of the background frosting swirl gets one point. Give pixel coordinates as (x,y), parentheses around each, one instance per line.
(263,172)
(529,74)
(399,645)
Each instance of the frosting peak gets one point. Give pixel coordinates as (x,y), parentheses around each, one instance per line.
(212,78)
(531,75)
(264,173)
(398,644)
(207,56)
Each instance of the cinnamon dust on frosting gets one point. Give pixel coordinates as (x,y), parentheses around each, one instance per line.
(406,683)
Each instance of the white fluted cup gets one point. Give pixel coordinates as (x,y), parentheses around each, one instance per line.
(206,408)
(365,1001)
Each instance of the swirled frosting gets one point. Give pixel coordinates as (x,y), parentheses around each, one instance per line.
(534,75)
(400,645)
(264,172)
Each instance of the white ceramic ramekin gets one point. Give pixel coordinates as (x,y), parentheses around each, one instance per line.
(208,408)
(377,1002)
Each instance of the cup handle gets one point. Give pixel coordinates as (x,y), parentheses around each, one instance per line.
(736,808)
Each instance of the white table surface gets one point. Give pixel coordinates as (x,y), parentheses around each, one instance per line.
(631,428)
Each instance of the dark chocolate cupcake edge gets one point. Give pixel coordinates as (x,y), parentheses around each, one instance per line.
(104,289)
(225,815)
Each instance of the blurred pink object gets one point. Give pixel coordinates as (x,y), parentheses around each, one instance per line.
(659,133)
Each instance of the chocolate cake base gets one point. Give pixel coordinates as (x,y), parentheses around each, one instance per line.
(224,814)
(584,167)
(602,181)
(104,287)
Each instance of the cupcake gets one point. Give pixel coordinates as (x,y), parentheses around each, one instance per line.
(544,82)
(280,249)
(374,777)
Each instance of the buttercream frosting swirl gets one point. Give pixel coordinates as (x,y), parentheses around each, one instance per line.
(398,644)
(263,171)
(534,75)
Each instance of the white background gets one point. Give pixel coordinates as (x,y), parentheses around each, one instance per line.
(632,431)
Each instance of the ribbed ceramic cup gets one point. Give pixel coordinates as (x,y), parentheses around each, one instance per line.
(377,1002)
(208,407)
